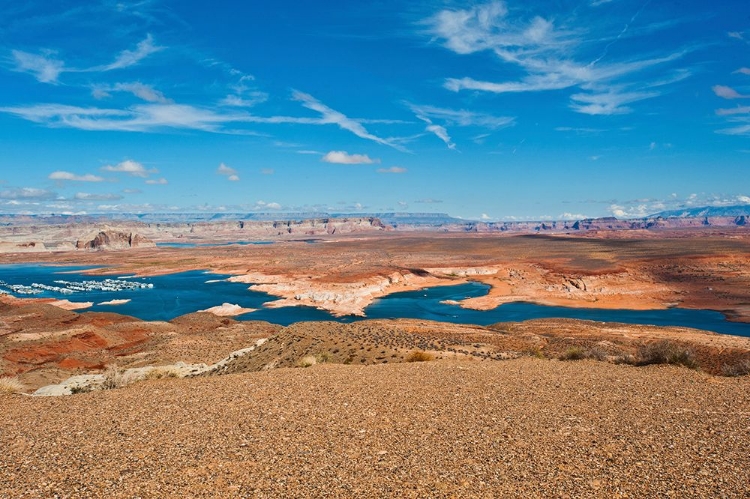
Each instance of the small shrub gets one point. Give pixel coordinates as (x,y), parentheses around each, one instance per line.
(308,361)
(741,368)
(161,372)
(113,378)
(74,390)
(323,357)
(11,385)
(573,353)
(537,352)
(597,353)
(420,356)
(665,352)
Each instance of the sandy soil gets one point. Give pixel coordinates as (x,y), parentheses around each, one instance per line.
(519,428)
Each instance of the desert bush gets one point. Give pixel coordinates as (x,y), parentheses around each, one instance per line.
(11,385)
(323,357)
(740,368)
(308,361)
(114,378)
(420,356)
(535,351)
(598,353)
(161,372)
(74,390)
(665,352)
(574,353)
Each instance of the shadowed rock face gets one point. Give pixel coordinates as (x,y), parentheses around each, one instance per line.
(109,239)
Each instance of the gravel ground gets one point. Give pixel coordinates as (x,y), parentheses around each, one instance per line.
(519,428)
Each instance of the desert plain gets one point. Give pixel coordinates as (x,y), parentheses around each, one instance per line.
(206,405)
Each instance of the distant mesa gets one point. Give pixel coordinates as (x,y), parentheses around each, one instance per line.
(114,240)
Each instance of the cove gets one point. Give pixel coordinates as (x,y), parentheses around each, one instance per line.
(161,298)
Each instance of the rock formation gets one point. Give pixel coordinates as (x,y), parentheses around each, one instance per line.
(114,240)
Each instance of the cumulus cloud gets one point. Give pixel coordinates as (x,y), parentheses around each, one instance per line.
(262,205)
(130,167)
(228,172)
(63,175)
(392,169)
(344,158)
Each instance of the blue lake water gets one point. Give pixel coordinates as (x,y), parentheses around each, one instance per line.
(169,296)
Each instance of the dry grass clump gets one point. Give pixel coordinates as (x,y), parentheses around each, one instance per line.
(579,353)
(574,353)
(11,385)
(308,361)
(420,356)
(665,352)
(161,372)
(115,378)
(740,368)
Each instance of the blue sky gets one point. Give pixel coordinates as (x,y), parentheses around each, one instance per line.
(499,111)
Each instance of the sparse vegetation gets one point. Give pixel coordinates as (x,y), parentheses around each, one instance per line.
(74,390)
(323,357)
(665,352)
(11,385)
(114,378)
(420,356)
(740,368)
(308,361)
(574,353)
(161,372)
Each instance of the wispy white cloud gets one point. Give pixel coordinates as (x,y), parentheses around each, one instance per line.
(744,71)
(157,181)
(267,171)
(128,58)
(28,194)
(728,92)
(392,169)
(130,167)
(63,175)
(545,53)
(733,110)
(43,67)
(248,100)
(228,172)
(331,116)
(46,68)
(140,90)
(461,117)
(85,196)
(344,158)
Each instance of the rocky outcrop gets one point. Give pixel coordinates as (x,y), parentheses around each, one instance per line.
(114,240)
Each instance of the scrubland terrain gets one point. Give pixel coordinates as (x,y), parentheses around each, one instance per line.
(408,408)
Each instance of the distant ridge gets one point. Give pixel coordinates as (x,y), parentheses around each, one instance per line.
(707,211)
